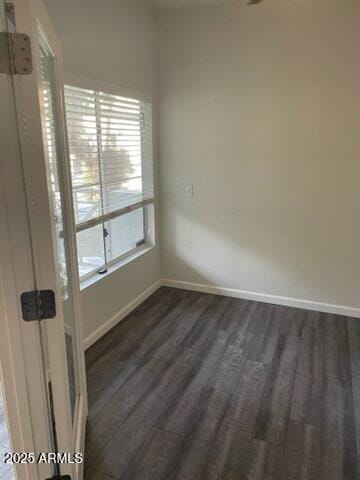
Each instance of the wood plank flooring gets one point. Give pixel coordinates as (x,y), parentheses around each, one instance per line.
(195,386)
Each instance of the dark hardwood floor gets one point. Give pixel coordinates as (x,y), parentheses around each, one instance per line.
(194,386)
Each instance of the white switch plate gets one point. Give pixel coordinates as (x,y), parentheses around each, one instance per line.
(189,190)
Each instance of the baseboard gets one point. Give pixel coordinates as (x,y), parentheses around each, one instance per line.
(229,292)
(264,297)
(114,320)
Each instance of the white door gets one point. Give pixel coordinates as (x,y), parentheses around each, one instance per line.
(38,229)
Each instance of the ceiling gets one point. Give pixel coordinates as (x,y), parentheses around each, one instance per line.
(185,3)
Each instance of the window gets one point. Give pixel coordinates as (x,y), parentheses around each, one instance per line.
(110,141)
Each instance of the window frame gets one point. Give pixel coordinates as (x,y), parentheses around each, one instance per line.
(149,243)
(148,206)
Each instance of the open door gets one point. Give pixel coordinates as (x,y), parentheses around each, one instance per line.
(39,224)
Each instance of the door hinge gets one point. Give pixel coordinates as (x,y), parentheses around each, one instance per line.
(15,54)
(38,305)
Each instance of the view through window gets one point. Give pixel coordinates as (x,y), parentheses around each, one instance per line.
(110,141)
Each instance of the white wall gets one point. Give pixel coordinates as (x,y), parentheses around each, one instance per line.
(111,41)
(259,109)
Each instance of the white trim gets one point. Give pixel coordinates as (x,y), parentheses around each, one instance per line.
(227,292)
(114,265)
(265,297)
(80,430)
(115,319)
(31,16)
(20,348)
(112,215)
(12,356)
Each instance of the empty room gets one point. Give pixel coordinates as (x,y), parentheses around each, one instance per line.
(179,240)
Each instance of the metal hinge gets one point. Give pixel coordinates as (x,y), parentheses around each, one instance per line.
(15,54)
(38,305)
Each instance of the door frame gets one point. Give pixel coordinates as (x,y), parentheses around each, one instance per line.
(26,223)
(13,366)
(20,347)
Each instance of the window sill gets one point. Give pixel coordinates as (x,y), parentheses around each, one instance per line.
(96,277)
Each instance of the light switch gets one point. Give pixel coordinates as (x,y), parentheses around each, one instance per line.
(189,190)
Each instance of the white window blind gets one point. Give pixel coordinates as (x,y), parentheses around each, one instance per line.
(110,142)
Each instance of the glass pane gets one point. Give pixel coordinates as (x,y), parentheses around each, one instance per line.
(120,127)
(121,194)
(90,245)
(124,233)
(87,202)
(7,472)
(84,152)
(51,149)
